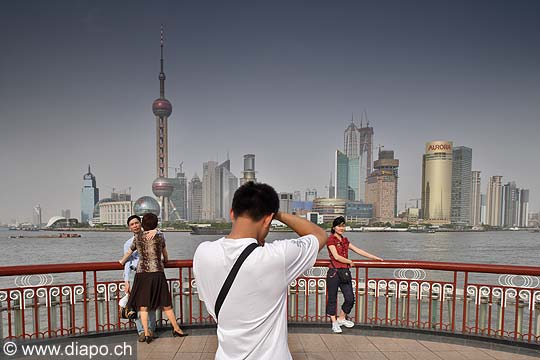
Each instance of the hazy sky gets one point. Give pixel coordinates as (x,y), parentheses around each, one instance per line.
(279,79)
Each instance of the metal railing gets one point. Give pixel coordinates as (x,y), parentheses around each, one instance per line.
(493,301)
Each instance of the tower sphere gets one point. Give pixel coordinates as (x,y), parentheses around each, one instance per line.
(162,107)
(162,187)
(146,204)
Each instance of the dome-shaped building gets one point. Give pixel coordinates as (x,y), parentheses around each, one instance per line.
(162,187)
(146,204)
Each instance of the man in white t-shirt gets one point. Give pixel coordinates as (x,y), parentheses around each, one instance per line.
(253,318)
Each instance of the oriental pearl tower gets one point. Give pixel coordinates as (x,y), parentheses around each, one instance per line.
(162,187)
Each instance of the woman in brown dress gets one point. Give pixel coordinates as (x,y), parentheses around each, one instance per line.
(150,290)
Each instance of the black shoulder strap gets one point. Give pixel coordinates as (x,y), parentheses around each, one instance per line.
(232,275)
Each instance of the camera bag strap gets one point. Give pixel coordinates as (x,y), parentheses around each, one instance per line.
(232,275)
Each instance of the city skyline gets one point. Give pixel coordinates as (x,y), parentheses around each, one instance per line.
(242,85)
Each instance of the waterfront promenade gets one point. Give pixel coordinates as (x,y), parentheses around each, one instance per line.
(353,344)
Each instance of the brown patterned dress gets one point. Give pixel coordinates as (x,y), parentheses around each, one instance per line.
(150,287)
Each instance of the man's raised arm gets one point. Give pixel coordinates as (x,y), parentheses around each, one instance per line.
(303,227)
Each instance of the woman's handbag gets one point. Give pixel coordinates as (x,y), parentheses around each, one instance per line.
(344,275)
(128,313)
(125,311)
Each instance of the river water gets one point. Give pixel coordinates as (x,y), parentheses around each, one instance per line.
(498,247)
(508,247)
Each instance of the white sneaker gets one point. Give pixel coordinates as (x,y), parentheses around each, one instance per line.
(346,323)
(336,329)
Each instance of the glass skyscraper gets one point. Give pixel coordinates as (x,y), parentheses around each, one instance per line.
(342,175)
(178,197)
(510,207)
(475,198)
(461,185)
(89,196)
(354,165)
(226,185)
(195,199)
(524,208)
(209,190)
(348,177)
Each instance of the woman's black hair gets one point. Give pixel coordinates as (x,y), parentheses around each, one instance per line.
(337,221)
(149,221)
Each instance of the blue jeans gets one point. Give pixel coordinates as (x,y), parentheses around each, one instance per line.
(332,285)
(151,313)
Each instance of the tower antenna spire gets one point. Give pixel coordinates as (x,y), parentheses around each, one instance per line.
(365,111)
(161,73)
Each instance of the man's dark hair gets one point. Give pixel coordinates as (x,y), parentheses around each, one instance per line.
(149,221)
(337,221)
(133,217)
(255,201)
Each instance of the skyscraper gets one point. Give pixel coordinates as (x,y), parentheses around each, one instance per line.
(366,153)
(493,201)
(249,169)
(380,192)
(36,218)
(511,205)
(437,182)
(475,198)
(195,191)
(179,199)
(358,147)
(331,189)
(226,185)
(342,175)
(89,196)
(387,163)
(461,185)
(162,186)
(524,208)
(483,208)
(209,190)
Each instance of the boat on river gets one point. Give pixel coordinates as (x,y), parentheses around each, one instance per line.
(195,230)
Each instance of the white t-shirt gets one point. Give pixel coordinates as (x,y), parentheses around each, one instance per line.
(253,317)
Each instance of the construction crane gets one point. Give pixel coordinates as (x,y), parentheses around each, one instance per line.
(177,169)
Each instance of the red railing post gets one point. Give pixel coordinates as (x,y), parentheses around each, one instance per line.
(454,301)
(366,298)
(96,301)
(356,317)
(190,297)
(36,316)
(85,303)
(180,279)
(516,316)
(465,285)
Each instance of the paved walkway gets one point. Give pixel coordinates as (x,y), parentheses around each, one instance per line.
(330,346)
